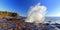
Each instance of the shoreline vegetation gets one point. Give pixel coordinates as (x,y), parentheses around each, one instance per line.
(5,14)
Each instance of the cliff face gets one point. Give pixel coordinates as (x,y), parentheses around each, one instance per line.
(5,14)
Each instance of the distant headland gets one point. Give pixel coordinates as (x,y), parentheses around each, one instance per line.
(6,14)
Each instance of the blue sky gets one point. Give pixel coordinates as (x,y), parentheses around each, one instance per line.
(22,6)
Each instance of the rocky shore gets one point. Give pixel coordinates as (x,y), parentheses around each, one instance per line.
(18,23)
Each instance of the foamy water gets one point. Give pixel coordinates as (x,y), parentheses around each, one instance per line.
(36,14)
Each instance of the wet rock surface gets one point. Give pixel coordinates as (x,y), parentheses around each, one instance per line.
(19,24)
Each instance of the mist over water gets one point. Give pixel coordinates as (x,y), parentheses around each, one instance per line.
(36,14)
